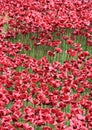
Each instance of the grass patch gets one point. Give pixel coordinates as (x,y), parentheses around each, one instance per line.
(41,50)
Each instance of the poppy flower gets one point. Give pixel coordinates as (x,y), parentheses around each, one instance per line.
(58,50)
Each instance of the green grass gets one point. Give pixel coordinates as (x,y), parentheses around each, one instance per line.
(39,51)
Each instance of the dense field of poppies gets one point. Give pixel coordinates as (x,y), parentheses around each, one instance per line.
(45,65)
